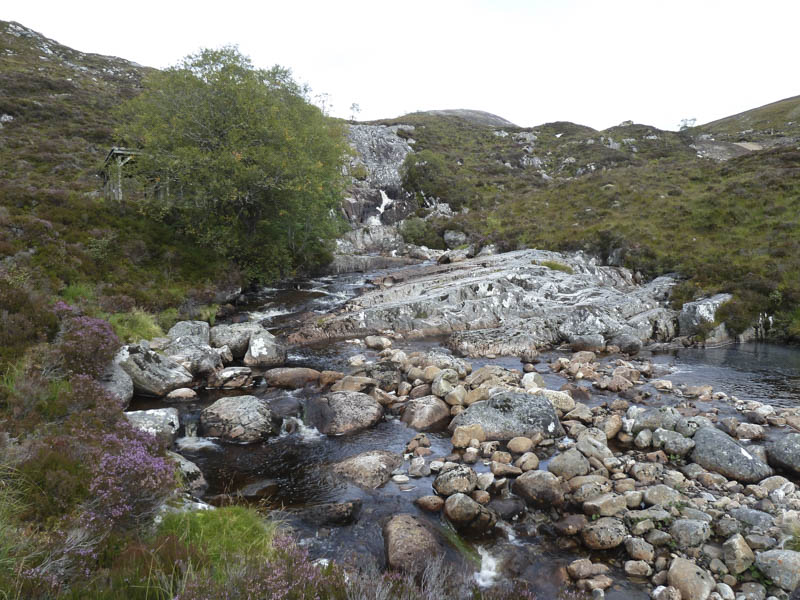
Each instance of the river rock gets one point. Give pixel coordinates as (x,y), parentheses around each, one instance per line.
(152,374)
(264,350)
(689,532)
(160,422)
(196,330)
(664,417)
(195,356)
(460,479)
(662,495)
(719,452)
(781,566)
(569,464)
(369,469)
(693,582)
(444,382)
(117,384)
(738,555)
(343,413)
(426,414)
(191,476)
(240,419)
(291,377)
(377,342)
(784,453)
(463,435)
(604,534)
(231,378)
(332,513)
(235,336)
(409,544)
(467,515)
(507,415)
(539,488)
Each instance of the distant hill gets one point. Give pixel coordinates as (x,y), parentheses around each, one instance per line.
(478,117)
(769,123)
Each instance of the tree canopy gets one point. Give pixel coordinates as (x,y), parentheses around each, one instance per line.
(237,157)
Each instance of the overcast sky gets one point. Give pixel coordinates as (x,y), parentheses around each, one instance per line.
(594,62)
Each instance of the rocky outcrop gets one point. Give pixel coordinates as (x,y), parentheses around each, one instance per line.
(163,423)
(117,384)
(516,301)
(699,313)
(343,413)
(507,415)
(236,336)
(152,374)
(264,350)
(240,419)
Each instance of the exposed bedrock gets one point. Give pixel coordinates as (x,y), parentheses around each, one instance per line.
(506,304)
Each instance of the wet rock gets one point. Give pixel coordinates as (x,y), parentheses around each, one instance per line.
(571,524)
(468,515)
(583,568)
(784,453)
(638,549)
(327,378)
(430,503)
(191,476)
(695,314)
(426,414)
(259,490)
(151,373)
(369,469)
(527,462)
(511,414)
(693,582)
(604,534)
(781,566)
(520,445)
(231,378)
(418,468)
(460,479)
(354,383)
(291,377)
(194,354)
(664,417)
(235,336)
(343,413)
(539,488)
(408,543)
(637,568)
(264,350)
(718,452)
(569,464)
(508,509)
(332,513)
(444,382)
(240,419)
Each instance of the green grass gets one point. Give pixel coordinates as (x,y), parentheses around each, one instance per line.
(135,325)
(75,293)
(557,266)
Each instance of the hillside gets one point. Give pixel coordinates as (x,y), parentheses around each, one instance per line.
(59,237)
(633,194)
(777,122)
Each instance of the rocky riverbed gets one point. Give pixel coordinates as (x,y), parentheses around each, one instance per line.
(560,460)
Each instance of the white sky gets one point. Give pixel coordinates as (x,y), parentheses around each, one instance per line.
(594,62)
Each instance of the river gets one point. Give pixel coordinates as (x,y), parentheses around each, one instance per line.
(289,472)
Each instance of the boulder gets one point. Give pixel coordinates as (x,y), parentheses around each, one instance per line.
(781,566)
(191,476)
(240,419)
(463,435)
(738,555)
(693,582)
(604,534)
(784,453)
(507,415)
(569,464)
(332,513)
(264,350)
(664,417)
(409,544)
(717,451)
(460,479)
(467,515)
(160,422)
(231,378)
(454,239)
(343,413)
(426,414)
(118,384)
(377,342)
(539,488)
(195,356)
(235,336)
(689,532)
(369,469)
(152,374)
(291,377)
(194,330)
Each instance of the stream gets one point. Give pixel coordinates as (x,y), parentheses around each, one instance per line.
(289,472)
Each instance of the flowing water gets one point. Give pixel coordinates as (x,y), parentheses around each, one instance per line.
(289,472)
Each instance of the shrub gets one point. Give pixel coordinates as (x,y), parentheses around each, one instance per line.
(135,325)
(87,345)
(167,318)
(422,233)
(76,292)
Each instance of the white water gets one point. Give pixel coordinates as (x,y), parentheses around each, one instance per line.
(296,426)
(386,202)
(489,569)
(195,444)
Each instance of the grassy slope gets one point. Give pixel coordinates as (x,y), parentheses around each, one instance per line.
(731,226)
(57,233)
